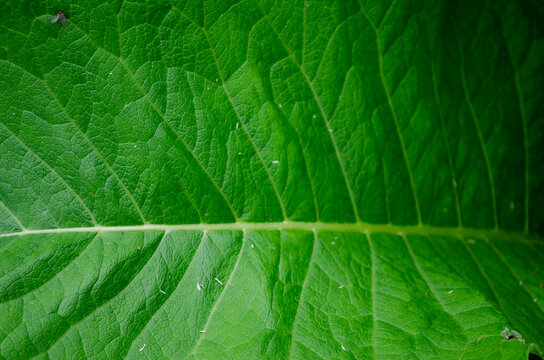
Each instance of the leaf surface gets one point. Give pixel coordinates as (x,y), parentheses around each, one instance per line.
(271,179)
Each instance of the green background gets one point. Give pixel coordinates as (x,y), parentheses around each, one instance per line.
(271,179)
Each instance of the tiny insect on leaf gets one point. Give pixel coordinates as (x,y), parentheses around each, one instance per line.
(59,15)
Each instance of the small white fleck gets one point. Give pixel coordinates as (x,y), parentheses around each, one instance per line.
(208,88)
(505,333)
(236,125)
(280,106)
(341,286)
(450,292)
(162,292)
(199,286)
(139,248)
(202,331)
(134,145)
(331,130)
(333,243)
(216,80)
(336,238)
(275,162)
(343,348)
(252,246)
(239,153)
(219,281)
(471,241)
(399,233)
(520,283)
(143,347)
(313,117)
(110,73)
(535,300)
(454,183)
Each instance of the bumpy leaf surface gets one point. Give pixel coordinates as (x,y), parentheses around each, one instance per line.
(268,179)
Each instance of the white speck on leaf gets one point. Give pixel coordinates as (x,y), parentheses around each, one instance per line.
(202,331)
(450,292)
(162,292)
(313,117)
(252,246)
(216,80)
(331,130)
(237,126)
(139,248)
(535,300)
(341,286)
(134,145)
(219,281)
(280,106)
(511,334)
(520,283)
(343,348)
(239,153)
(208,88)
(199,286)
(399,233)
(143,347)
(516,335)
(333,243)
(110,73)
(275,162)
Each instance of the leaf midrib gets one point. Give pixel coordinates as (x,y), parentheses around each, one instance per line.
(363,227)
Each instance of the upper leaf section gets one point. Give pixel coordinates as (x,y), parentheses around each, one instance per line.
(210,112)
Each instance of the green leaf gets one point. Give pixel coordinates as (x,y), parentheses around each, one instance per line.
(271,179)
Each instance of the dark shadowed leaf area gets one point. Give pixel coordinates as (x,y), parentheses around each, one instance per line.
(272,179)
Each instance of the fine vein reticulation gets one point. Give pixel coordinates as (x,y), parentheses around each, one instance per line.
(257,179)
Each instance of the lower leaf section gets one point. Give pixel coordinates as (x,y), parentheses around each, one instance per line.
(278,294)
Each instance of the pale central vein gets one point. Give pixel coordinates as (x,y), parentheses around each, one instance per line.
(294,225)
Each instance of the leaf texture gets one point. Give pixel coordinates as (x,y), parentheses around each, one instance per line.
(263,179)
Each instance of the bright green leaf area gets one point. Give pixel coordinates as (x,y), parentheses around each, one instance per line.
(271,179)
